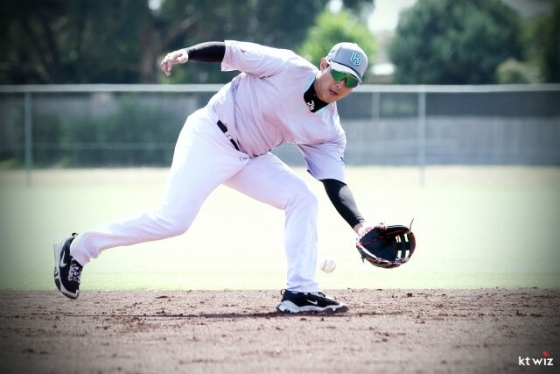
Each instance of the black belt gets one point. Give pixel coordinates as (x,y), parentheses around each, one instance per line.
(226,132)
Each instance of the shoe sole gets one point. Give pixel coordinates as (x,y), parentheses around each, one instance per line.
(57,247)
(289,307)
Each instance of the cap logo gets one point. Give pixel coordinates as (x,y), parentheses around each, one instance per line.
(356,58)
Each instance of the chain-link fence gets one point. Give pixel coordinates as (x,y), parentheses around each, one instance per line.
(137,125)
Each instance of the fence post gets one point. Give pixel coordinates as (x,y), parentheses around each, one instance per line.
(28,131)
(421,133)
(376,106)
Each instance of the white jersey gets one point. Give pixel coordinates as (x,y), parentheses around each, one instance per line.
(263,107)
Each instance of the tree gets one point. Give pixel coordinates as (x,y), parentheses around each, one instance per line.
(541,39)
(551,68)
(330,29)
(454,41)
(512,71)
(280,24)
(64,41)
(108,41)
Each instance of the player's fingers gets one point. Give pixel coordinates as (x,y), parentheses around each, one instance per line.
(163,64)
(176,57)
(167,64)
(164,67)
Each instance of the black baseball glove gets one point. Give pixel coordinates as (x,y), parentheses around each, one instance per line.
(387,246)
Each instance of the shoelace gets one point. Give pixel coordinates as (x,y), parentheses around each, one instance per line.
(75,272)
(320,294)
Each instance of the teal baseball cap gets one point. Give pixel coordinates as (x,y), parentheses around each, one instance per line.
(348,58)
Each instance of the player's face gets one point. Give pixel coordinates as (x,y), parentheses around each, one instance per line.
(327,88)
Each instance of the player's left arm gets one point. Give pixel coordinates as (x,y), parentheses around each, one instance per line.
(343,200)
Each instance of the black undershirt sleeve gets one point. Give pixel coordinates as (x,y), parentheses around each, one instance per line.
(207,52)
(343,200)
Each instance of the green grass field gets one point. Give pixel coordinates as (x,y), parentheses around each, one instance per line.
(477,227)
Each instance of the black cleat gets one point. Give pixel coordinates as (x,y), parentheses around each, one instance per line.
(67,271)
(297,302)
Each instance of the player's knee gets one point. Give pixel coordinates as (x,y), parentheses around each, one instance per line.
(172,226)
(303,197)
(176,229)
(311,199)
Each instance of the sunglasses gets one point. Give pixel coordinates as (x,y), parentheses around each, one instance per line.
(350,80)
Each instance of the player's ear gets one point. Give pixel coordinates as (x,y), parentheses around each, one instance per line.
(324,64)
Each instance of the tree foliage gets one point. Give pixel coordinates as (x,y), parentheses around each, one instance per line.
(541,38)
(454,41)
(551,45)
(61,41)
(109,41)
(512,71)
(281,24)
(332,28)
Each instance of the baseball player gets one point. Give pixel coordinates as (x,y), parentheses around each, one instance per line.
(278,97)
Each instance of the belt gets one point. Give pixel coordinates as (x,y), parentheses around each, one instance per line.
(226,132)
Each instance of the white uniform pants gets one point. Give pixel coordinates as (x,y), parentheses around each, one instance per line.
(204,158)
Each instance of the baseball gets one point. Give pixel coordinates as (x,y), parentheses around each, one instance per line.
(328,265)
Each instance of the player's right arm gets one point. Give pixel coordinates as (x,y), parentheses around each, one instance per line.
(207,52)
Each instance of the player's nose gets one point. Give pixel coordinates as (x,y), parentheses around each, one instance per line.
(340,84)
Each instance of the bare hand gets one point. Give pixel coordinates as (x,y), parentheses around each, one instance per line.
(177,57)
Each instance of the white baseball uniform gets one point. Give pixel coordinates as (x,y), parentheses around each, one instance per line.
(263,107)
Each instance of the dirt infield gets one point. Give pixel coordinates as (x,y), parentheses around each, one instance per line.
(385,331)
